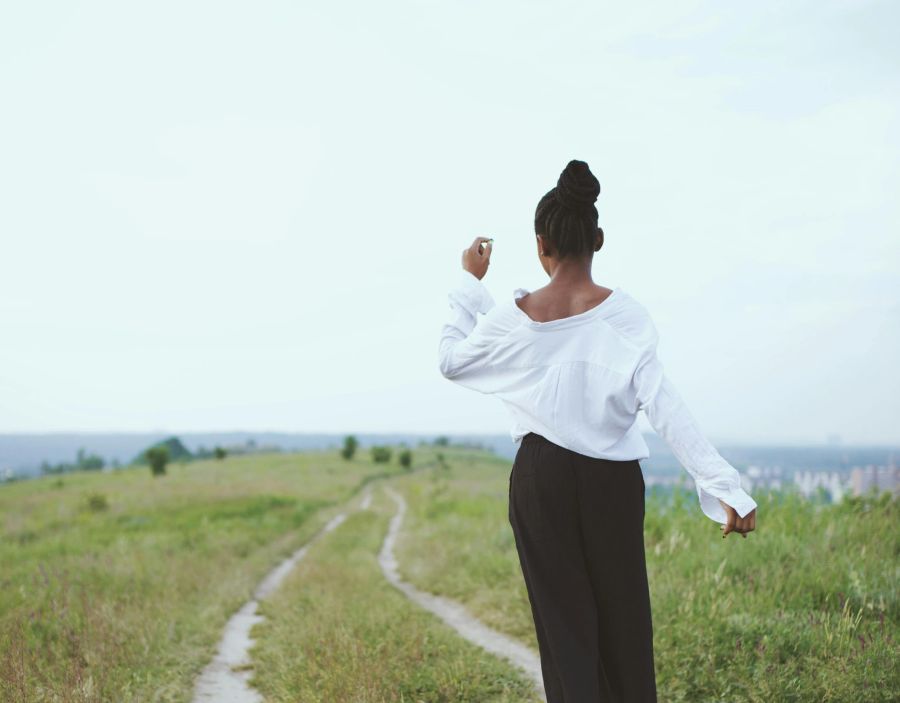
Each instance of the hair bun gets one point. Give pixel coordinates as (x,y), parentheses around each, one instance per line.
(577,188)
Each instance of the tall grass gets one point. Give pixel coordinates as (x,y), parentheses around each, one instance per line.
(116,587)
(803,609)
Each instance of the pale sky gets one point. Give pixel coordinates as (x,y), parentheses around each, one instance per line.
(223,216)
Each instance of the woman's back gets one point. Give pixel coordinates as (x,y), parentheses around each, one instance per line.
(580,381)
(546,304)
(569,378)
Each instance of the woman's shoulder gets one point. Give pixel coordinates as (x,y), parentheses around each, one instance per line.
(502,317)
(632,320)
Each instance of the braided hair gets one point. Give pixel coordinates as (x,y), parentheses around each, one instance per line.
(566,216)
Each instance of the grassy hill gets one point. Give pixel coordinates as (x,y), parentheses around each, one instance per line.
(803,609)
(117,586)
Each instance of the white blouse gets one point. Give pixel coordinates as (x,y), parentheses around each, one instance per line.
(580,381)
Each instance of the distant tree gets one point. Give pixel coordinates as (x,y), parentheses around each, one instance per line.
(441,441)
(405,458)
(350,445)
(177,451)
(48,468)
(220,453)
(381,454)
(157,457)
(83,462)
(88,462)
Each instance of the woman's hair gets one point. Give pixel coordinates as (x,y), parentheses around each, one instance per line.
(566,216)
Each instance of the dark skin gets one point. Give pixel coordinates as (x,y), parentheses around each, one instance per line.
(571,291)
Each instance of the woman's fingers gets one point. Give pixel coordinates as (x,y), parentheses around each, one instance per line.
(743,525)
(750,522)
(730,520)
(477,243)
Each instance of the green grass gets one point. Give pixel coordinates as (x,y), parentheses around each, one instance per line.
(336,630)
(803,609)
(117,586)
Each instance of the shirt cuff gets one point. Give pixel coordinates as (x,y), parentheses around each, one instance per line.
(737,498)
(473,292)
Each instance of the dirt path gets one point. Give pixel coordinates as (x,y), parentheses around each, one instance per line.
(225,678)
(453,613)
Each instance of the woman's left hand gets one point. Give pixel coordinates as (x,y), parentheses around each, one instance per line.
(476,261)
(736,523)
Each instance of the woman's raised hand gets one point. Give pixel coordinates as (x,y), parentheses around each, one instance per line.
(476,261)
(736,523)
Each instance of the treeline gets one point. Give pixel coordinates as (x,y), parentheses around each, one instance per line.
(381,453)
(156,456)
(83,462)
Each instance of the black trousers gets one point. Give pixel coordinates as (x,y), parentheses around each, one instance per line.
(579,529)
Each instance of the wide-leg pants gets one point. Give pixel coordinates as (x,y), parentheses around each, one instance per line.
(578,523)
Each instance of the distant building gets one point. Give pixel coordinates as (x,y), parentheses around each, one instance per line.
(881,478)
(809,482)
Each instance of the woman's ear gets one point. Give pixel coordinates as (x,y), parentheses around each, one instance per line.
(598,243)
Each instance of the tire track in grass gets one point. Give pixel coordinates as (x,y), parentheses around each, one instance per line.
(225,679)
(452,612)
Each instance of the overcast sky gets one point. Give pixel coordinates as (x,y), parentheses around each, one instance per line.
(226,216)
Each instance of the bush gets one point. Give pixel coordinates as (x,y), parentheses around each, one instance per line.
(220,453)
(97,503)
(381,454)
(350,445)
(157,457)
(405,458)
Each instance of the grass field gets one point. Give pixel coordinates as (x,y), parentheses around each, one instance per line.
(126,602)
(803,609)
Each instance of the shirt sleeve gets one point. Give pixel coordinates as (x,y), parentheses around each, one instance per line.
(714,477)
(464,349)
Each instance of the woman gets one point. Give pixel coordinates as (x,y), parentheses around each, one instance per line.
(574,362)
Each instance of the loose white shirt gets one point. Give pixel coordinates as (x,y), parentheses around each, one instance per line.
(580,381)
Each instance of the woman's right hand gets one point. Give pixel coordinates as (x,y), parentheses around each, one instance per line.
(736,523)
(476,261)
